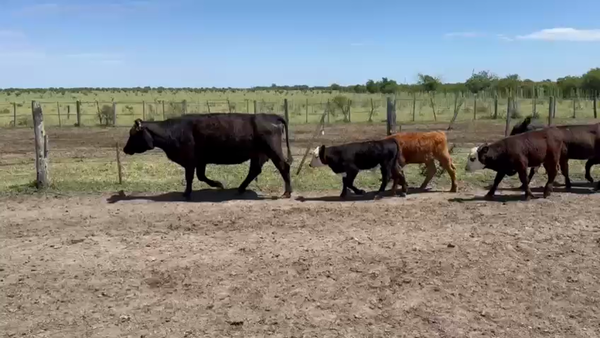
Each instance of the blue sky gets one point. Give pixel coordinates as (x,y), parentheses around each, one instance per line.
(243,43)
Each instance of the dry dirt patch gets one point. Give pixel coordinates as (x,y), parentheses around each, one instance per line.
(422,266)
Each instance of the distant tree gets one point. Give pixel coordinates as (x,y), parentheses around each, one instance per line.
(509,83)
(372,87)
(335,86)
(590,81)
(429,83)
(568,84)
(481,81)
(388,86)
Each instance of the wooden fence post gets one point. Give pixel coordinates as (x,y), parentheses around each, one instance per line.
(228,106)
(595,101)
(119,170)
(414,107)
(349,111)
(391,116)
(208,106)
(475,107)
(255,107)
(58,111)
(574,107)
(184,107)
(78,112)
(495,106)
(247,106)
(328,112)
(14,114)
(163,109)
(306,111)
(41,146)
(286,112)
(144,110)
(550,110)
(114,113)
(508,110)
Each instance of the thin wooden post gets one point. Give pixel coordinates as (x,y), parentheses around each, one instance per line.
(78,112)
(184,107)
(349,110)
(255,107)
(554,107)
(508,110)
(41,146)
(163,109)
(144,110)
(550,110)
(286,112)
(306,111)
(119,168)
(14,114)
(328,113)
(320,126)
(68,112)
(594,103)
(114,113)
(574,104)
(414,107)
(58,111)
(495,106)
(228,106)
(372,111)
(534,112)
(475,107)
(391,116)
(247,106)
(208,106)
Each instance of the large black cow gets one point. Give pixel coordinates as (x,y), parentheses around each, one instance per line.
(195,140)
(350,158)
(528,125)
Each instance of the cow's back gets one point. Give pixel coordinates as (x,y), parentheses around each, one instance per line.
(581,141)
(421,147)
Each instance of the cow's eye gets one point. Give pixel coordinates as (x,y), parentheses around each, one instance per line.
(472,159)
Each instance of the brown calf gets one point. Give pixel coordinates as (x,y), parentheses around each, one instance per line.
(425,147)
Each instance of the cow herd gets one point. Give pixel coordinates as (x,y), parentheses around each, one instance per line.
(195,140)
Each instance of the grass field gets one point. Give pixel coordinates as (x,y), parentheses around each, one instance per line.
(84,260)
(304,107)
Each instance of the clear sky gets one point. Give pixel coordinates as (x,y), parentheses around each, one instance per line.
(243,43)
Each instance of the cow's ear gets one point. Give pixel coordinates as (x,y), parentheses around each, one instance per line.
(138,124)
(483,150)
(527,120)
(321,150)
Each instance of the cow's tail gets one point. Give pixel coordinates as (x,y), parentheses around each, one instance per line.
(290,158)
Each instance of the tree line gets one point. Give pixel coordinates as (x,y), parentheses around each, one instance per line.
(587,84)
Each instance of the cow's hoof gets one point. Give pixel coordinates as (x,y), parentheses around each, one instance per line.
(360,192)
(286,195)
(488,197)
(453,189)
(219,185)
(589,179)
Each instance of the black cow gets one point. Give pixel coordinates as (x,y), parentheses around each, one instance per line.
(195,140)
(527,125)
(348,159)
(514,154)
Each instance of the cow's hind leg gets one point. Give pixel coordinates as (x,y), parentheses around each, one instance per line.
(275,153)
(446,163)
(398,176)
(201,174)
(386,173)
(256,164)
(564,168)
(588,168)
(531,173)
(189,179)
(431,170)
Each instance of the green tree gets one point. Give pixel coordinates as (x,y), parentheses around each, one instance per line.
(568,84)
(590,81)
(372,87)
(429,83)
(481,81)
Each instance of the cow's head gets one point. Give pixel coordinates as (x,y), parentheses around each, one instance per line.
(139,140)
(476,159)
(317,155)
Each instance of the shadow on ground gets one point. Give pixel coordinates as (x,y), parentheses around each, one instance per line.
(537,191)
(200,196)
(366,197)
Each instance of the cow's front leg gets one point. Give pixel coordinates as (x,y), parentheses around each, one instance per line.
(189,179)
(350,177)
(497,180)
(201,174)
(525,183)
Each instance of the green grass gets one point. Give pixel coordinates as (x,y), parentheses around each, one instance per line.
(153,173)
(130,107)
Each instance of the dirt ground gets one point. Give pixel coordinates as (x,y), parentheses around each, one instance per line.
(429,265)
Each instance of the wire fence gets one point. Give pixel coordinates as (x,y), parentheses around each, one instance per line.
(339,109)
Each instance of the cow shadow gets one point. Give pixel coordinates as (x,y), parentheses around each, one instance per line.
(199,196)
(497,198)
(576,188)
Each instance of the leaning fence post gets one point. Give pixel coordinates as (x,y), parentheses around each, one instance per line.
(144,110)
(58,111)
(41,146)
(14,114)
(595,101)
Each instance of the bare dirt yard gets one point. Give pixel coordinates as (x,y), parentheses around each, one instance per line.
(429,265)
(77,263)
